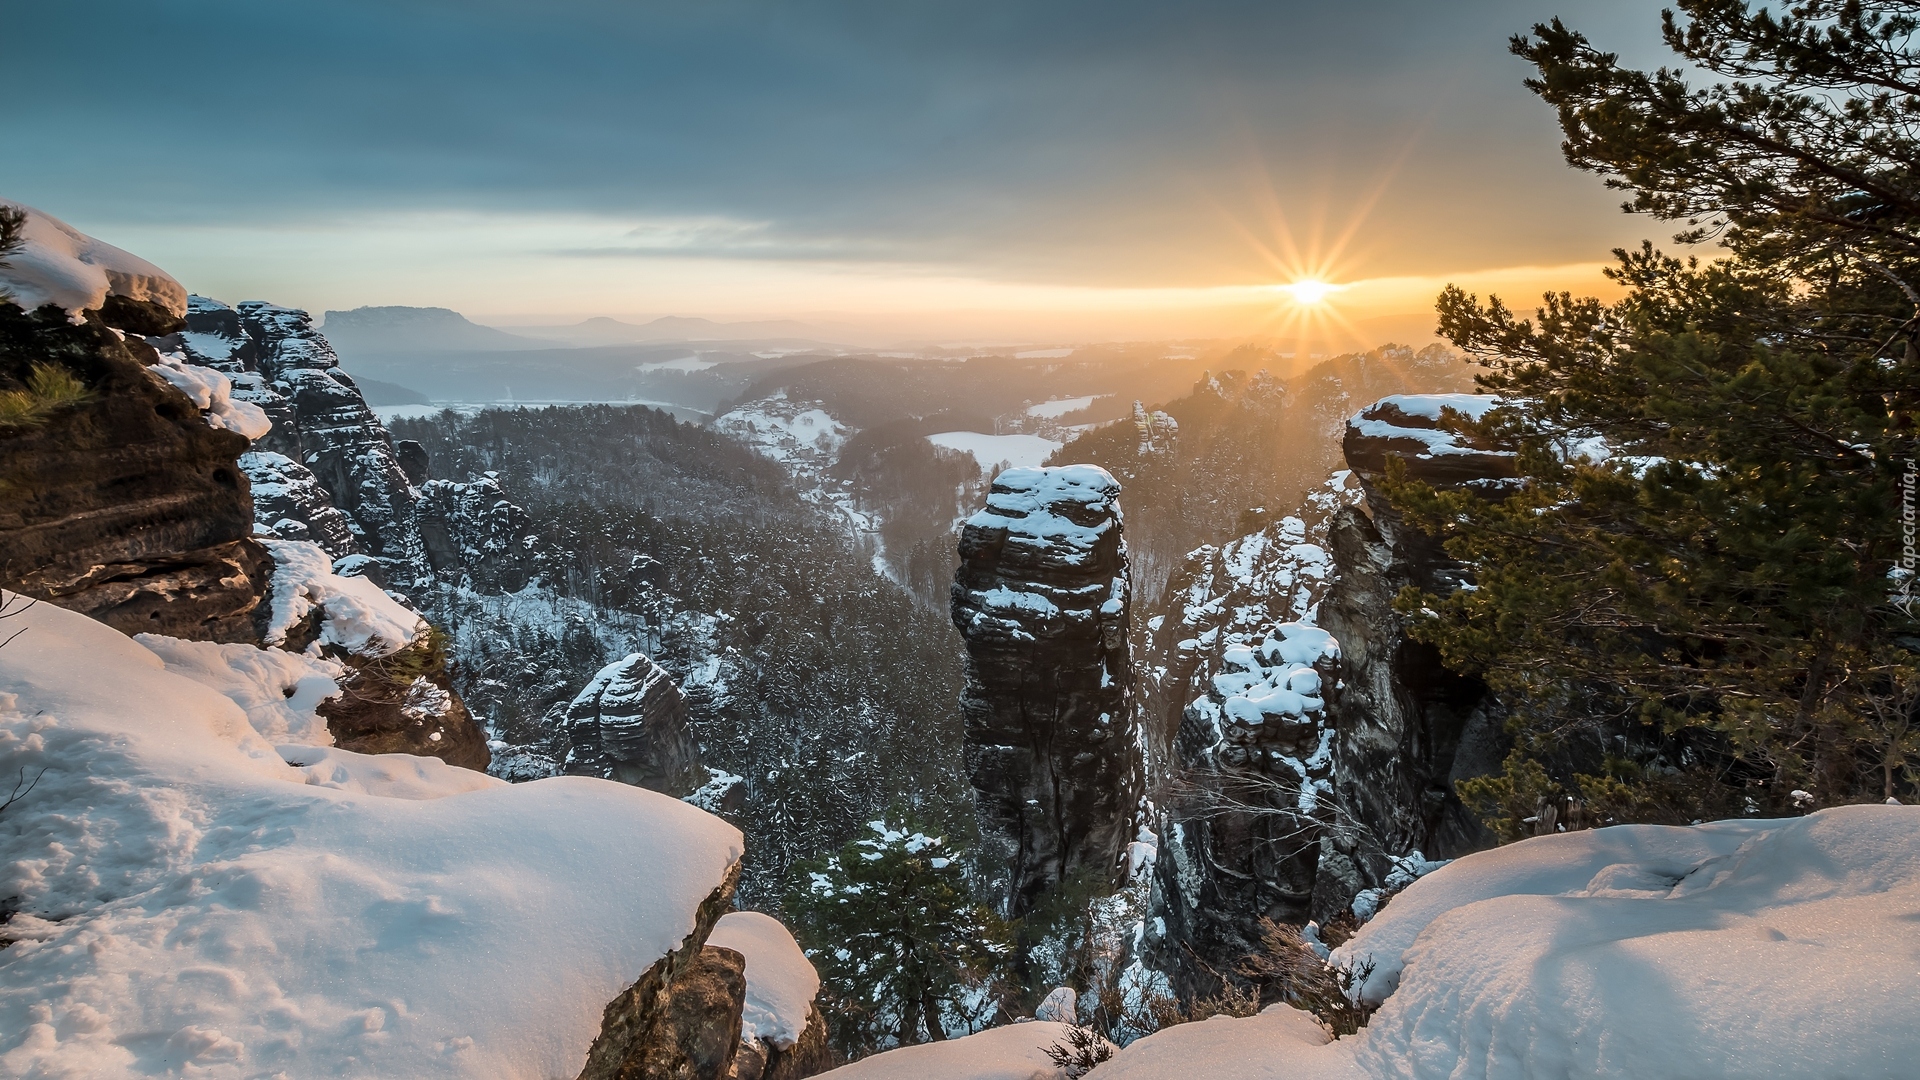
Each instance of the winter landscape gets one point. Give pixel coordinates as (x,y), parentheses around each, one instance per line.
(734,541)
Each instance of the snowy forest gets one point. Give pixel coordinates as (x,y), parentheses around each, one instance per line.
(1538,699)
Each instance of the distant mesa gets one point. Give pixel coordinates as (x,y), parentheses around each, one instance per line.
(418,329)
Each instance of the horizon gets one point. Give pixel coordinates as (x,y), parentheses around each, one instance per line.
(1002,174)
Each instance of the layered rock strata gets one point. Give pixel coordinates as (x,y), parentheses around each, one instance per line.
(630,724)
(125,505)
(1041,598)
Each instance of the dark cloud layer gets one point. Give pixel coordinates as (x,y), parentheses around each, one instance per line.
(1109,141)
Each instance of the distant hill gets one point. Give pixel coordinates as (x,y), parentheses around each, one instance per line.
(385,393)
(388,330)
(605,331)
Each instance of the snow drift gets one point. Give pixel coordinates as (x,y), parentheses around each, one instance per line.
(186,900)
(62,266)
(1745,950)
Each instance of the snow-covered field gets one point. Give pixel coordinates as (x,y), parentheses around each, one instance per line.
(390,413)
(193,900)
(1059,407)
(1019,451)
(1738,950)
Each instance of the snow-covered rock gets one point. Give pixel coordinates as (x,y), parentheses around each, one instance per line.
(186,902)
(1041,597)
(354,614)
(280,364)
(1412,428)
(1743,950)
(629,723)
(290,504)
(781,981)
(62,266)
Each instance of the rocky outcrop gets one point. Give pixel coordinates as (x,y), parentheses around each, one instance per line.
(125,505)
(289,502)
(1237,691)
(1294,820)
(782,1034)
(681,1019)
(1041,598)
(471,534)
(1408,727)
(385,707)
(279,362)
(630,724)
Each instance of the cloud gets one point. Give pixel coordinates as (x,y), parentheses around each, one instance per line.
(1092,142)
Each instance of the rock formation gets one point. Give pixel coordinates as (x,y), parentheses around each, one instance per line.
(1408,727)
(782,1034)
(681,1019)
(127,505)
(471,534)
(1041,598)
(1237,696)
(1352,786)
(280,363)
(289,502)
(630,724)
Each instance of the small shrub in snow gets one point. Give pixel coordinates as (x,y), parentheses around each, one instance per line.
(1287,968)
(1078,1052)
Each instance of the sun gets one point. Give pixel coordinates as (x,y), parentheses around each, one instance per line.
(1308,292)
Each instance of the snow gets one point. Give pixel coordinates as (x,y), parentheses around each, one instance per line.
(1472,406)
(389,776)
(212,394)
(188,904)
(786,431)
(1013,1052)
(62,266)
(1061,1005)
(1439,442)
(1053,410)
(781,982)
(686,365)
(1756,950)
(279,690)
(1280,1042)
(1023,501)
(1019,451)
(354,614)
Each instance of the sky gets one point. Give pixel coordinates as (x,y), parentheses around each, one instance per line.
(1027,169)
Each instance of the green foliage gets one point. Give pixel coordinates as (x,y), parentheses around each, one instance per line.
(1699,616)
(904,952)
(48,390)
(13,225)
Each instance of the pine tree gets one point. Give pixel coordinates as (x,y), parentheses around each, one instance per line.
(904,951)
(1686,598)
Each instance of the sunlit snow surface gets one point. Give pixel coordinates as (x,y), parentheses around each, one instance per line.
(189,903)
(60,265)
(1740,950)
(781,981)
(1018,451)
